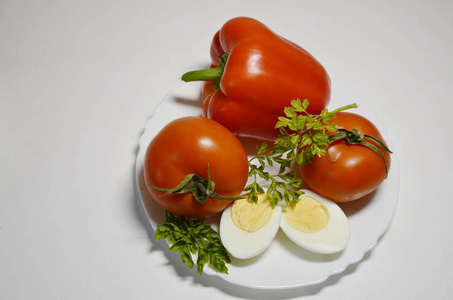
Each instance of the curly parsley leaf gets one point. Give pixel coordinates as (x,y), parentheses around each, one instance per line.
(302,137)
(193,237)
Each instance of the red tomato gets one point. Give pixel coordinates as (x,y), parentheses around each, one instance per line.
(351,171)
(190,145)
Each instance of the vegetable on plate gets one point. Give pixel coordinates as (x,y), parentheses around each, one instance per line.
(357,161)
(194,167)
(254,74)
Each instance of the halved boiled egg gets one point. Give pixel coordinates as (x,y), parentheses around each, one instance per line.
(316,224)
(248,228)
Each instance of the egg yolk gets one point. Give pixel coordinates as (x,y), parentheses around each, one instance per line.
(308,215)
(250,216)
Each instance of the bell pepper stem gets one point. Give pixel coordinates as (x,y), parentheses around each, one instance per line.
(213,74)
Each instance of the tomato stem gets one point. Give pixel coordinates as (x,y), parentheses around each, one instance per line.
(202,189)
(353,137)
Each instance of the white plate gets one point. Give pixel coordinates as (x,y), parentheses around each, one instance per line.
(284,265)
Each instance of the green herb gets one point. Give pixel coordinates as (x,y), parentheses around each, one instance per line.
(302,136)
(190,237)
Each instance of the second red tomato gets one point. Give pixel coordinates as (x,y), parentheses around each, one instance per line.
(348,172)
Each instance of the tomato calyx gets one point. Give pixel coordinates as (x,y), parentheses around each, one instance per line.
(353,137)
(200,188)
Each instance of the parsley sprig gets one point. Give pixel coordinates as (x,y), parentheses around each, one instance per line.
(302,136)
(190,237)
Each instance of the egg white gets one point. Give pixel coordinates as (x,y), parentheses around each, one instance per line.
(243,244)
(333,238)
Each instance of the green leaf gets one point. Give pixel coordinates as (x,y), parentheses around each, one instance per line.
(282,121)
(296,182)
(305,104)
(306,140)
(261,149)
(186,258)
(203,259)
(192,237)
(318,125)
(290,112)
(297,104)
(332,127)
(300,159)
(218,263)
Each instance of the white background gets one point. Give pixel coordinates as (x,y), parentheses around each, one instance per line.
(79,80)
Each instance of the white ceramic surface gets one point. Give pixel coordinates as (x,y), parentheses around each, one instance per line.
(284,265)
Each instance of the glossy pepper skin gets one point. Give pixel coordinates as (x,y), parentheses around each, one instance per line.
(262,74)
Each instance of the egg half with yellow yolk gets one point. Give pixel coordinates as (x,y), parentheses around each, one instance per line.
(316,224)
(248,228)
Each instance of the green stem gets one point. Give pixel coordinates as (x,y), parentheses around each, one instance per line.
(354,105)
(200,188)
(213,74)
(353,137)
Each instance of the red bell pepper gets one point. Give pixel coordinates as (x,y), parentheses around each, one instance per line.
(254,74)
